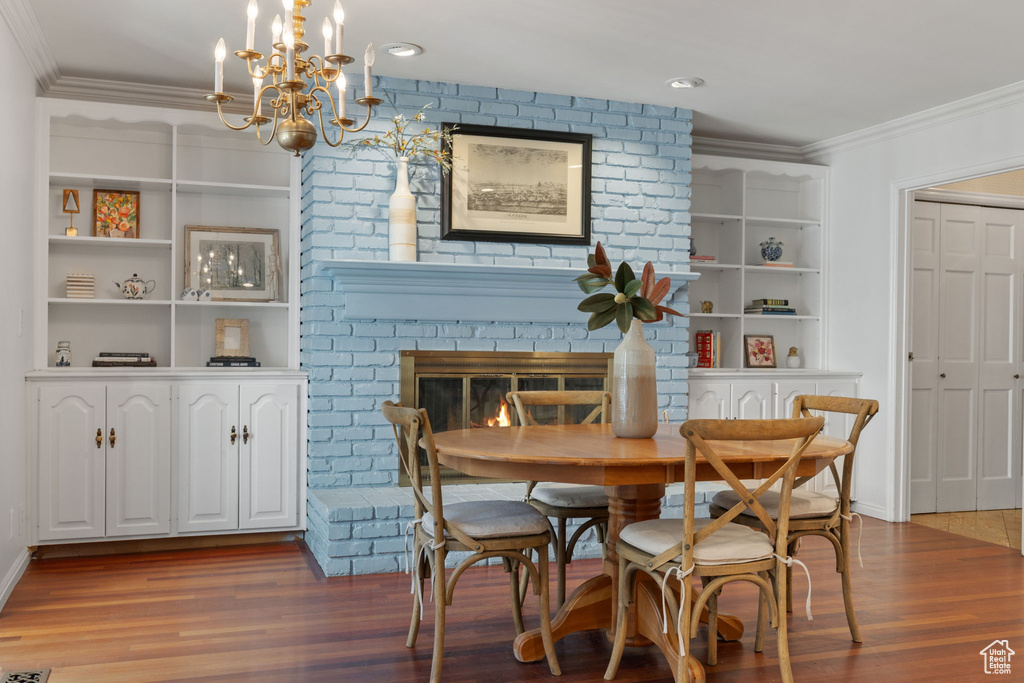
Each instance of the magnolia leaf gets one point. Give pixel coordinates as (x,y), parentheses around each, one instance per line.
(644,309)
(597,303)
(599,320)
(603,271)
(632,287)
(623,276)
(648,280)
(591,287)
(659,290)
(591,260)
(666,309)
(624,316)
(600,258)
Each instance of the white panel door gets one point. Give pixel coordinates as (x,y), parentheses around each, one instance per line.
(999,424)
(786,392)
(924,370)
(267,461)
(961,244)
(207,457)
(138,443)
(71,461)
(752,400)
(709,401)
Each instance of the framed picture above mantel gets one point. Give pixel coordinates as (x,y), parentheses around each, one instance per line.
(516,185)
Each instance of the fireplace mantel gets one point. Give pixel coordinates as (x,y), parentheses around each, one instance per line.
(403,290)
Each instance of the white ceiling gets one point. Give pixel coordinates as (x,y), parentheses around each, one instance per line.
(786,72)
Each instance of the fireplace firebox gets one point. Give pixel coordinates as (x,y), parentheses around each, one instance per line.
(466,389)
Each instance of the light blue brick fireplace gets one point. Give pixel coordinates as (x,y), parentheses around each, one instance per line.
(640,193)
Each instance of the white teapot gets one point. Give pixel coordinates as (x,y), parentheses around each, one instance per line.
(135,287)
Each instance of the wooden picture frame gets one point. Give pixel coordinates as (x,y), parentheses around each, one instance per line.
(759,351)
(516,185)
(116,213)
(232,337)
(234,264)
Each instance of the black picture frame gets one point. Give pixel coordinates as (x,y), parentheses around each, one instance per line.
(559,212)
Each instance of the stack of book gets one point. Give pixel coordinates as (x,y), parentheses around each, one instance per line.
(769,307)
(232,362)
(122,359)
(778,264)
(709,348)
(703,259)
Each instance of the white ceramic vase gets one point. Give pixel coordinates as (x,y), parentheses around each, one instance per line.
(402,217)
(634,387)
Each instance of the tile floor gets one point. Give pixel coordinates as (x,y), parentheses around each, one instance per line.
(1001,527)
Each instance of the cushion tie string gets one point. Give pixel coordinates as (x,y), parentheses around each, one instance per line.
(789,561)
(860,532)
(409,527)
(683,595)
(421,557)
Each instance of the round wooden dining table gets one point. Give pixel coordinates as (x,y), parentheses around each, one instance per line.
(634,473)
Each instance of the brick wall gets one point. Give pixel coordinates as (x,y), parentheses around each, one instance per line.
(640,211)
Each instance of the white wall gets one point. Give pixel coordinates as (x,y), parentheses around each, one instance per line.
(866,262)
(17,164)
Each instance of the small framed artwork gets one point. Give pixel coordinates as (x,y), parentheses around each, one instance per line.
(516,185)
(115,213)
(759,351)
(232,337)
(234,264)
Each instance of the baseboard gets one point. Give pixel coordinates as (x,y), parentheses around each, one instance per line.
(869,510)
(13,576)
(149,545)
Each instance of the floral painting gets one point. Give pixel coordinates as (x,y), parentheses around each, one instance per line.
(116,213)
(760,351)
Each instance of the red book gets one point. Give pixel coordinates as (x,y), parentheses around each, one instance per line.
(705,348)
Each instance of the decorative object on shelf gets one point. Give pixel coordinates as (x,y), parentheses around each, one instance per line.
(189,295)
(769,307)
(692,358)
(709,348)
(232,337)
(771,249)
(80,286)
(634,388)
(516,185)
(123,359)
(302,84)
(135,287)
(63,354)
(406,145)
(232,264)
(707,306)
(69,205)
(205,295)
(760,351)
(232,362)
(793,359)
(693,247)
(115,213)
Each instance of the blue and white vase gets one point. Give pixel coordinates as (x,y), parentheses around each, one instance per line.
(771,249)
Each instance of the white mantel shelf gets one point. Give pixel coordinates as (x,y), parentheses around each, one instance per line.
(403,290)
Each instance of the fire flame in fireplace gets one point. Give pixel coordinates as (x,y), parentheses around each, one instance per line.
(501,417)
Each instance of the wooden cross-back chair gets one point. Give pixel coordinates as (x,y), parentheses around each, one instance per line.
(818,514)
(719,551)
(563,502)
(500,528)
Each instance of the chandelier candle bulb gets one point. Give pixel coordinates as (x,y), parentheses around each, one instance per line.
(342,84)
(367,74)
(250,28)
(276,32)
(257,85)
(339,26)
(328,34)
(218,71)
(289,47)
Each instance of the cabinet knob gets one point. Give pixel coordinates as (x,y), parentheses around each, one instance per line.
(1016,376)
(99,437)
(234,435)
(245,433)
(943,375)
(113,437)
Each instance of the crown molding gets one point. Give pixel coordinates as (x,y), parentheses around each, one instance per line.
(929,118)
(747,150)
(142,94)
(29,35)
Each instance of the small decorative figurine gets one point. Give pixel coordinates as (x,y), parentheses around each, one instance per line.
(189,295)
(771,249)
(706,307)
(70,206)
(63,354)
(793,359)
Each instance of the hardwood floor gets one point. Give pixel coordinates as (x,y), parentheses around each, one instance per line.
(928,602)
(995,526)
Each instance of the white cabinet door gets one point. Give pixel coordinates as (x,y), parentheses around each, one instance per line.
(267,459)
(709,401)
(751,400)
(138,441)
(786,392)
(71,461)
(207,457)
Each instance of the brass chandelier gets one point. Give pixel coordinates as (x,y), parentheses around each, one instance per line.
(300,86)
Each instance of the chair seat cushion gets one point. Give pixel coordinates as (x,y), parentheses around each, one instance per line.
(570,495)
(732,544)
(804,504)
(492,519)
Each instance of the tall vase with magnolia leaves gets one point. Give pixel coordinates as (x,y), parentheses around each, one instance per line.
(634,387)
(402,217)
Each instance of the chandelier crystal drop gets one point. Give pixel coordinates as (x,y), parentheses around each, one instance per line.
(299,86)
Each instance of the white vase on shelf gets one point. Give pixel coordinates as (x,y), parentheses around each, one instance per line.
(634,387)
(402,217)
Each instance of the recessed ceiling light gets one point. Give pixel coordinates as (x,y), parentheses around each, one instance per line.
(685,82)
(402,49)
